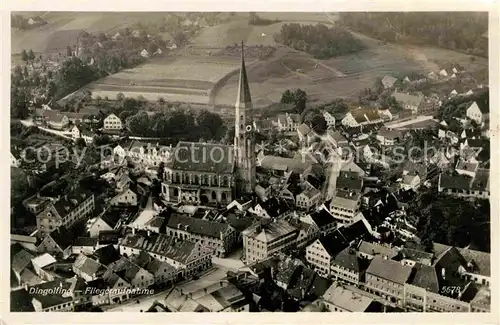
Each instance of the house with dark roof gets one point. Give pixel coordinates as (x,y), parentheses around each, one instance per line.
(71,208)
(287,271)
(348,266)
(308,231)
(322,219)
(106,255)
(187,256)
(133,274)
(218,237)
(58,295)
(387,278)
(163,272)
(322,251)
(111,219)
(349,181)
(308,198)
(85,245)
(59,242)
(464,185)
(272,208)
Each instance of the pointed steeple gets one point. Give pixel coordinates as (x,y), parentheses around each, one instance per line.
(243,88)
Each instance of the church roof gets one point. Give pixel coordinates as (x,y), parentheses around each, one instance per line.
(202,157)
(243,87)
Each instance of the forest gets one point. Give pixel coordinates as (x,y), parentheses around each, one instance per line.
(459,31)
(319,40)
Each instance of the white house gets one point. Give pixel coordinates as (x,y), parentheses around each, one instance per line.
(443,73)
(388,81)
(453,93)
(112,122)
(126,198)
(144,53)
(410,182)
(478,114)
(288,122)
(330,120)
(308,198)
(406,80)
(81,132)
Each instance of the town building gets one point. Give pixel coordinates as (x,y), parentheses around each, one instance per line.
(464,185)
(308,198)
(80,131)
(112,122)
(288,122)
(361,117)
(267,237)
(387,278)
(186,256)
(69,209)
(348,267)
(478,113)
(339,298)
(345,206)
(329,119)
(409,102)
(219,238)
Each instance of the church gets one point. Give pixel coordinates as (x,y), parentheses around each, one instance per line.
(207,173)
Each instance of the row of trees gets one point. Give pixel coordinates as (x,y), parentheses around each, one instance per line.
(258,21)
(321,41)
(462,31)
(178,125)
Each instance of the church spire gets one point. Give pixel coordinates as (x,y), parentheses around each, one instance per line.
(243,88)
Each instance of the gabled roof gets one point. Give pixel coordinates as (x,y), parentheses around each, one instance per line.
(322,217)
(388,81)
(408,99)
(348,259)
(202,157)
(389,270)
(178,250)
(377,249)
(125,269)
(107,255)
(267,230)
(458,182)
(425,277)
(344,298)
(88,266)
(198,226)
(43,260)
(85,241)
(349,181)
(304,129)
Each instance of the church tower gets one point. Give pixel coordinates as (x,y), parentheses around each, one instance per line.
(244,143)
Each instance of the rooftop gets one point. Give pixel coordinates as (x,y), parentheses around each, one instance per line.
(202,157)
(377,249)
(267,230)
(198,226)
(389,270)
(344,298)
(322,217)
(182,251)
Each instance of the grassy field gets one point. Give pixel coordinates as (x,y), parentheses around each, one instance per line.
(186,79)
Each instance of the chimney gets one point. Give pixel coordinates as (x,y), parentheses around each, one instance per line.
(443,273)
(303,293)
(149,233)
(133,231)
(179,226)
(186,227)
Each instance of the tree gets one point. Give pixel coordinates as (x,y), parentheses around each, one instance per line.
(210,125)
(69,51)
(138,124)
(180,38)
(298,98)
(31,55)
(80,143)
(24,56)
(120,97)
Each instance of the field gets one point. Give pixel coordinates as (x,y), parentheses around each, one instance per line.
(344,76)
(213,79)
(62,27)
(187,79)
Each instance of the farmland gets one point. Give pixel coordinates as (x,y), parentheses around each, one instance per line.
(200,74)
(185,79)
